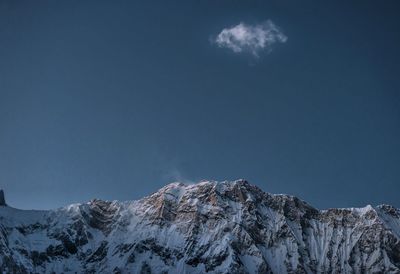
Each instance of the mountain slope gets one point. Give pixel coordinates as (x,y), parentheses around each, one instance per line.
(216,227)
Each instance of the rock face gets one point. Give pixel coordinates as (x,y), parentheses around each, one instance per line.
(209,227)
(2,199)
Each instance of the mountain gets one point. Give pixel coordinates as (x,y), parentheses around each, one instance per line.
(208,227)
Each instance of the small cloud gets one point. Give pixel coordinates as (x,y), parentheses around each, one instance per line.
(250,38)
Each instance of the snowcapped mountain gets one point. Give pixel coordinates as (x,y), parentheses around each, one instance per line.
(214,227)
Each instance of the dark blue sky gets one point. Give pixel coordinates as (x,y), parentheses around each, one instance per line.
(114,99)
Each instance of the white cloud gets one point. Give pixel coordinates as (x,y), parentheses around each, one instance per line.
(251,38)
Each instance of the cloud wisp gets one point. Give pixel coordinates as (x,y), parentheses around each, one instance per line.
(176,175)
(252,39)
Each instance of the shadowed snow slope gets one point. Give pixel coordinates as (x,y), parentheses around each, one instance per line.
(215,227)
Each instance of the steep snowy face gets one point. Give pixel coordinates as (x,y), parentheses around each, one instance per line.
(215,227)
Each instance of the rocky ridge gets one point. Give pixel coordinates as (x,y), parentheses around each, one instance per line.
(208,227)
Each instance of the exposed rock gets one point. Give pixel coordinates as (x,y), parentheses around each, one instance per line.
(2,198)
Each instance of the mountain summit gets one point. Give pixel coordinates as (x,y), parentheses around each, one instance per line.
(208,227)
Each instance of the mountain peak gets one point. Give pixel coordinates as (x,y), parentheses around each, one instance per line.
(238,190)
(210,226)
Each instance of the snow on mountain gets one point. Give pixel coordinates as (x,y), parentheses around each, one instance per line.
(209,227)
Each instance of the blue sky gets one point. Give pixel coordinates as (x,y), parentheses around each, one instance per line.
(113,100)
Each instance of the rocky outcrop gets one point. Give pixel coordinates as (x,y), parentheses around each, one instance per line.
(2,199)
(209,227)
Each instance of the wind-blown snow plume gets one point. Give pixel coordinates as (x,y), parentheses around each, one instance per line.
(251,38)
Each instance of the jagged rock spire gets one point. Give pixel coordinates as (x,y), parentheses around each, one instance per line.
(2,199)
